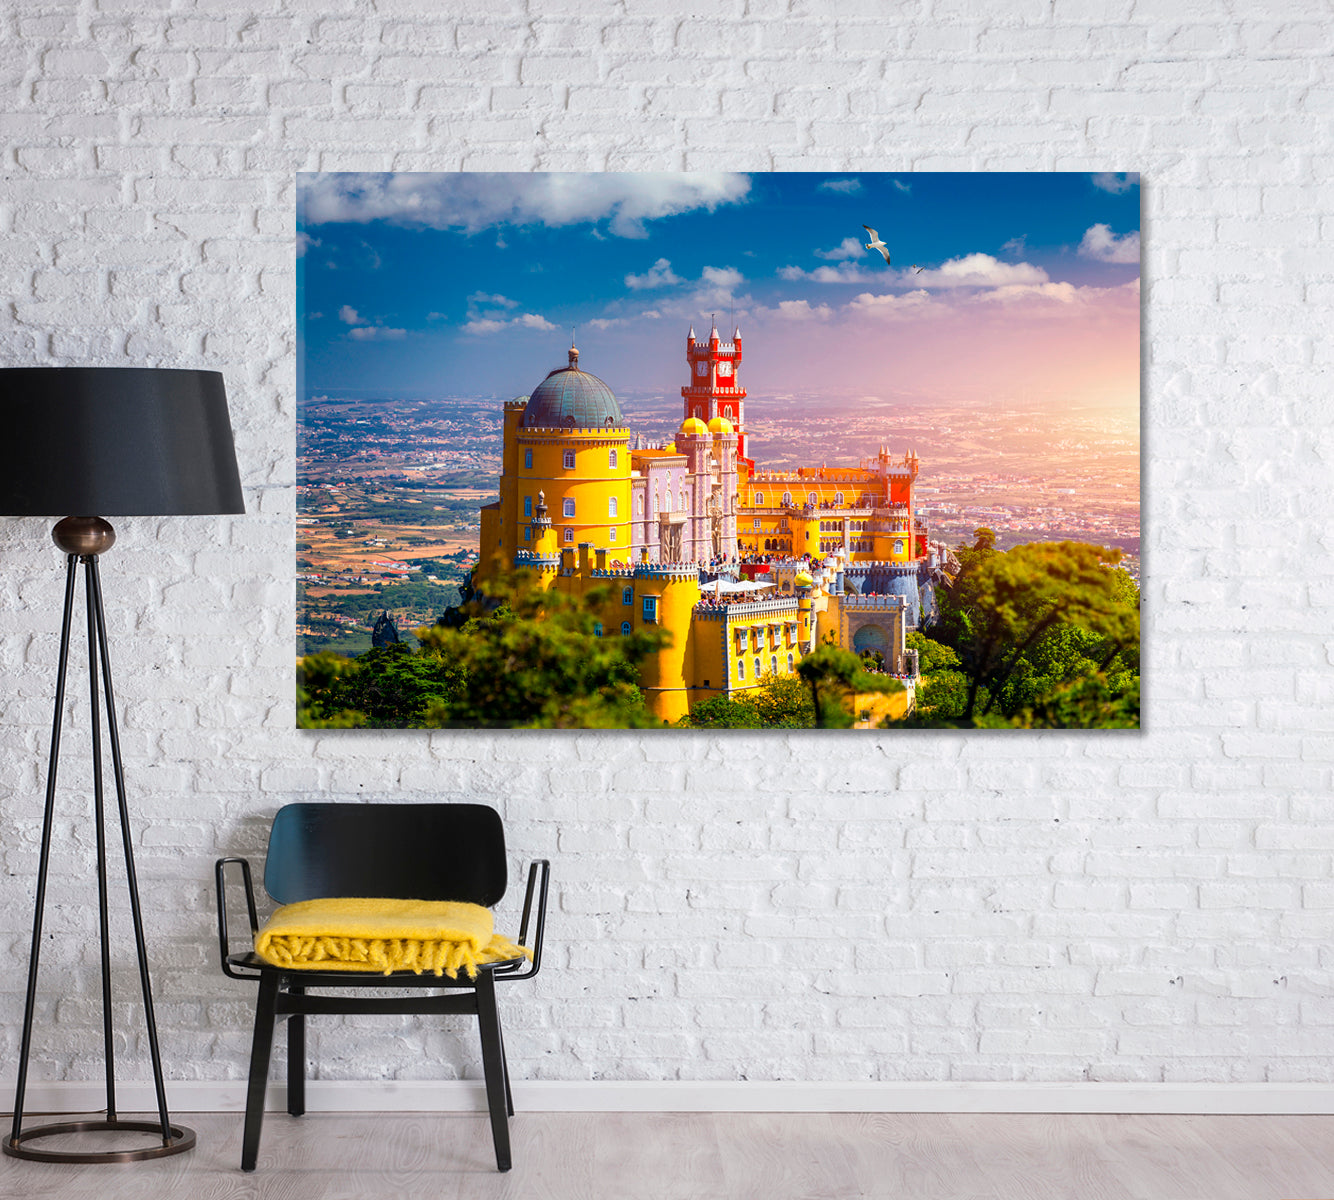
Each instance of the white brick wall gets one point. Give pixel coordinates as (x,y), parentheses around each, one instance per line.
(1121,907)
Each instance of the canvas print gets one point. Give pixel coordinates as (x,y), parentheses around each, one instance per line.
(847,450)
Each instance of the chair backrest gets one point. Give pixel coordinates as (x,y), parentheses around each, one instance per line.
(393,851)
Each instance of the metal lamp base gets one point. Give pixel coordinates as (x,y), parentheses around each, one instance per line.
(83,539)
(181,1140)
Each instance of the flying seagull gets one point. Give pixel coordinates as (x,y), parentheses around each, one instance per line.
(876,244)
(917,270)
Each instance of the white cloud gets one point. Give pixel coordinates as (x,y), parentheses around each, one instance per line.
(376,333)
(903,187)
(846,272)
(480,325)
(849,247)
(1102,244)
(1063,293)
(1015,246)
(348,315)
(801,310)
(723,277)
(1115,182)
(849,187)
(472,201)
(660,274)
(976,271)
(479,299)
(304,242)
(889,305)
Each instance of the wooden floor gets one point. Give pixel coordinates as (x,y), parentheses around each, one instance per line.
(733,1156)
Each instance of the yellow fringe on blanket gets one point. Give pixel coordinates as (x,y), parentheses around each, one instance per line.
(354,934)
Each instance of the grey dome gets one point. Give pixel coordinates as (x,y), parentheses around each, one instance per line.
(574,399)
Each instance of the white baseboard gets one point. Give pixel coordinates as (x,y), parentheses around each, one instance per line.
(726,1096)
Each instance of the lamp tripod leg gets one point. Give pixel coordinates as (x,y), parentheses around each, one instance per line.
(136,913)
(34,956)
(99,821)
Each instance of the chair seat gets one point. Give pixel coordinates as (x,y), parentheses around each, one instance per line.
(313,977)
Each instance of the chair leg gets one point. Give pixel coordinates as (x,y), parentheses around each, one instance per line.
(505,1062)
(296,1059)
(261,1049)
(493,1066)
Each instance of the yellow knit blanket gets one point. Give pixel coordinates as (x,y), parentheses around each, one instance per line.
(353,934)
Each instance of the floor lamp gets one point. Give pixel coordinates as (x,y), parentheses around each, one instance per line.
(111,442)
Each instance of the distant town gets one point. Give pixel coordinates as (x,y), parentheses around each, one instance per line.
(389,488)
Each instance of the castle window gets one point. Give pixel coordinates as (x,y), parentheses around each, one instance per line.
(611,508)
(787,497)
(741,668)
(569,535)
(567,460)
(898,545)
(758,669)
(611,534)
(625,629)
(527,506)
(527,533)
(650,610)
(639,506)
(611,459)
(812,499)
(759,497)
(567,506)
(838,498)
(773,663)
(597,628)
(528,460)
(627,595)
(789,662)
(757,522)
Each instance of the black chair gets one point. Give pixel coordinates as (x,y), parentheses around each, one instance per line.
(391,851)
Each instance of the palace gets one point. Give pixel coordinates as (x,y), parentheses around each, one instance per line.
(747,569)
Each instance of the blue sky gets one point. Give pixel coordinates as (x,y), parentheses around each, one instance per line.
(469,283)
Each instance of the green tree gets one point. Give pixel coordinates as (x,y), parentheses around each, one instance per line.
(834,676)
(784,702)
(392,687)
(317,678)
(723,712)
(1032,620)
(942,690)
(536,661)
(519,657)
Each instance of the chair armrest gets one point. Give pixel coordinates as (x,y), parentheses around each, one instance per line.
(539,877)
(224,947)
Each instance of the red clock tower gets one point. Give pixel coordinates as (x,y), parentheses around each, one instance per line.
(713,390)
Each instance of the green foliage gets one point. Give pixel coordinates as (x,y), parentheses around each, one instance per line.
(532,660)
(723,712)
(1044,633)
(318,677)
(784,702)
(520,658)
(779,702)
(833,676)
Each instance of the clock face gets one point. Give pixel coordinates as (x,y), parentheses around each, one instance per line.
(701,368)
(724,368)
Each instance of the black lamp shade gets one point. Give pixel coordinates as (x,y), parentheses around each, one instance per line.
(115,441)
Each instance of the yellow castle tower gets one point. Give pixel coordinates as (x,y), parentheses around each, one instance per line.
(568,441)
